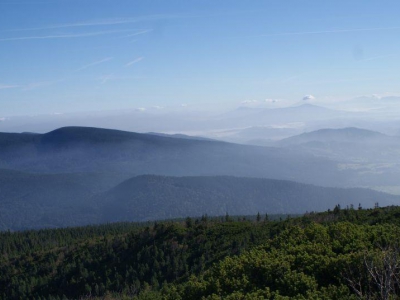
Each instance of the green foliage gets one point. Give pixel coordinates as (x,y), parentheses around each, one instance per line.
(34,201)
(300,263)
(122,257)
(317,256)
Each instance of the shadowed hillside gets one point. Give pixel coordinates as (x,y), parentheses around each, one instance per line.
(59,200)
(80,149)
(156,197)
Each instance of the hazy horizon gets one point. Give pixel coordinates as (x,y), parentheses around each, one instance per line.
(315,82)
(79,56)
(171,149)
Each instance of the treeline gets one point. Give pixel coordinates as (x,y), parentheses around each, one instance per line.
(317,256)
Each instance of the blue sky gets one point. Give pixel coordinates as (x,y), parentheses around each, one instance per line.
(83,55)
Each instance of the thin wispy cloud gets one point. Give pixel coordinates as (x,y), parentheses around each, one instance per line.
(113,77)
(256,103)
(272,100)
(65,36)
(325,31)
(32,2)
(308,97)
(104,79)
(249,102)
(119,21)
(376,57)
(137,33)
(374,79)
(134,61)
(7,86)
(94,64)
(105,22)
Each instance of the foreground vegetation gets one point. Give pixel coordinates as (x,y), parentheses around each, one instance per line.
(340,254)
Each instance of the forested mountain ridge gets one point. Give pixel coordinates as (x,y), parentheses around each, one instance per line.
(160,197)
(31,200)
(348,134)
(57,200)
(76,176)
(317,256)
(86,149)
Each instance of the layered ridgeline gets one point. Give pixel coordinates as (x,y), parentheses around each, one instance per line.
(347,144)
(156,197)
(31,200)
(59,200)
(375,157)
(342,254)
(76,176)
(309,158)
(80,149)
(349,134)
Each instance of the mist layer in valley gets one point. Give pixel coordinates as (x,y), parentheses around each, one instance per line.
(83,175)
(248,160)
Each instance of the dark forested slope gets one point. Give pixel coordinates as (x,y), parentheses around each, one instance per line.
(317,256)
(84,149)
(59,200)
(159,197)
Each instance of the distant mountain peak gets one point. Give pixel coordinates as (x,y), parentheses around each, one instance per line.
(350,134)
(308,105)
(311,106)
(351,131)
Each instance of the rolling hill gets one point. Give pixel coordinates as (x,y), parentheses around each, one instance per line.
(347,144)
(145,198)
(85,149)
(77,175)
(29,200)
(373,156)
(58,200)
(349,134)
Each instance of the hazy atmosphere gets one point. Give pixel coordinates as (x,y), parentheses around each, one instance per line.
(199,150)
(66,56)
